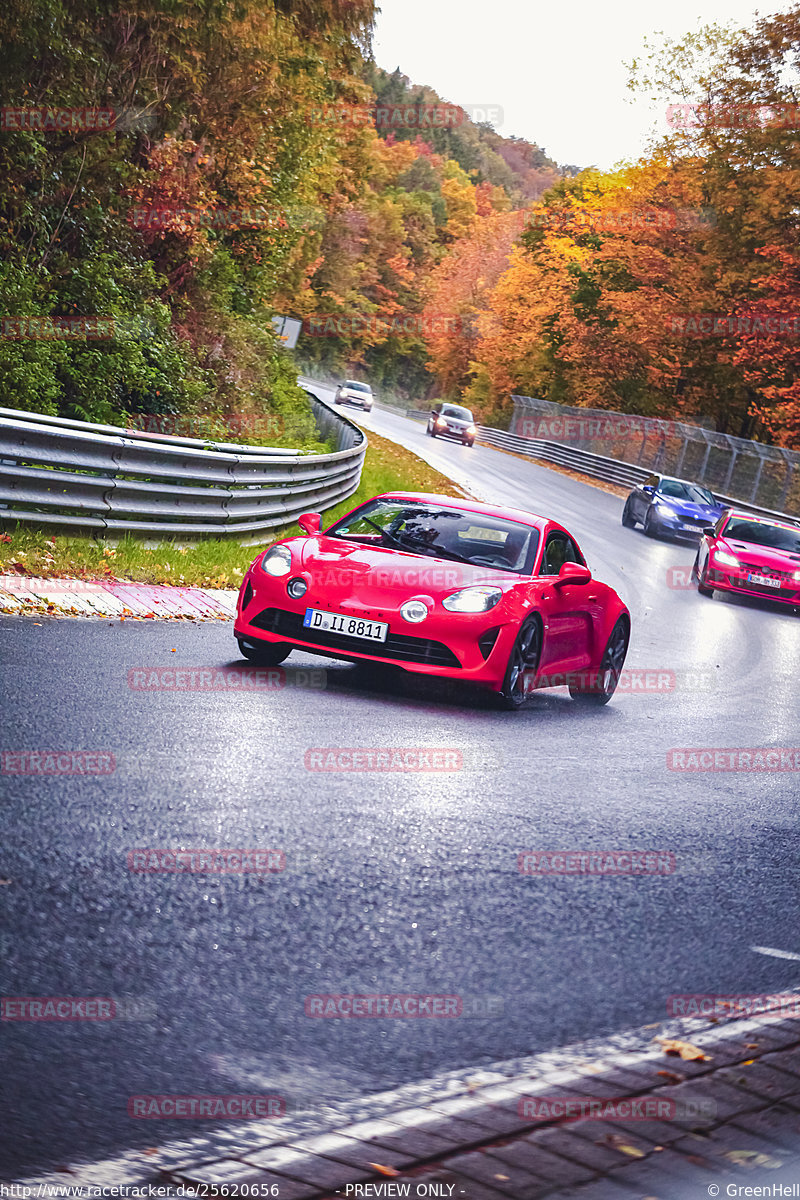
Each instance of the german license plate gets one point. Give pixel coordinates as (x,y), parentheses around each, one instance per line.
(765,580)
(694,528)
(357,627)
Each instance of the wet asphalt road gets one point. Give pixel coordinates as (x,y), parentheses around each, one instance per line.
(393,883)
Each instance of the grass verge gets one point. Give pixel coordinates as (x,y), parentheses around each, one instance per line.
(212,563)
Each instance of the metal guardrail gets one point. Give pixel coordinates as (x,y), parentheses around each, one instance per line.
(597,466)
(100,479)
(756,474)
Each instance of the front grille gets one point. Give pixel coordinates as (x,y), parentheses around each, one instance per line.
(741,582)
(772,572)
(397,645)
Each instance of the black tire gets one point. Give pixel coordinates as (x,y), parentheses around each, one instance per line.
(597,687)
(702,580)
(649,526)
(628,520)
(524,656)
(266,654)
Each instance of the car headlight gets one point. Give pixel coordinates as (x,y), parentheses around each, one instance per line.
(796,576)
(441,421)
(414,610)
(727,560)
(297,588)
(471,429)
(473,599)
(277,561)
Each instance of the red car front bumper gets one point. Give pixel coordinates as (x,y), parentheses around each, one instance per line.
(735,581)
(473,647)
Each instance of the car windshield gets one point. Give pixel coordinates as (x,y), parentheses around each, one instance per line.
(760,533)
(476,538)
(685,491)
(357,387)
(454,410)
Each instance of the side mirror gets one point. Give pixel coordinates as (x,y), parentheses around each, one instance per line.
(573,573)
(648,489)
(310,522)
(708,530)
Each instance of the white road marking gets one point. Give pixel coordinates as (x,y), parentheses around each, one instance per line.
(768,950)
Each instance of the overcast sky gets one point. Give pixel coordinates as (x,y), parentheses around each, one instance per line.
(556,69)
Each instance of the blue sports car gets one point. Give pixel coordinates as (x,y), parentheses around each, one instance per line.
(668,507)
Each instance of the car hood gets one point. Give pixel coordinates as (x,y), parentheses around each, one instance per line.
(706,514)
(765,556)
(380,574)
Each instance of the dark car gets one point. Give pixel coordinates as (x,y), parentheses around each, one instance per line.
(451,420)
(669,507)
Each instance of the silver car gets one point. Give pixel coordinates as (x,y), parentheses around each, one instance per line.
(353,392)
(451,420)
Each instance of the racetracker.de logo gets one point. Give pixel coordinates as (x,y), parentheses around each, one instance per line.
(58,120)
(389,758)
(56,329)
(752,324)
(57,1008)
(589,1108)
(395,116)
(768,1006)
(596,862)
(206,862)
(400,1006)
(389,324)
(564,428)
(706,758)
(208,428)
(226,679)
(238,1107)
(56,762)
(637,683)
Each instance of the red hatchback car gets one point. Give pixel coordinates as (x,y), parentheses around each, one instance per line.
(453,588)
(754,556)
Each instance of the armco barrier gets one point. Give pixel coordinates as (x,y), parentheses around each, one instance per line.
(98,479)
(754,474)
(596,466)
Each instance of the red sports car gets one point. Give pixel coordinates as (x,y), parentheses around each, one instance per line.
(755,556)
(492,596)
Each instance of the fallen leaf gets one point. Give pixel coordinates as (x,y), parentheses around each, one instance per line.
(752,1158)
(379,1167)
(684,1050)
(672,1076)
(624,1147)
